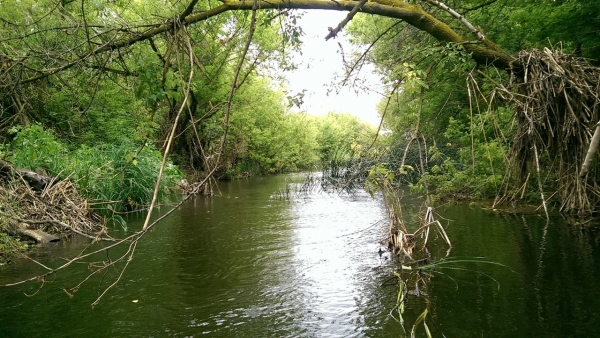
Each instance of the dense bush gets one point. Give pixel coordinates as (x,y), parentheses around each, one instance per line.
(113,177)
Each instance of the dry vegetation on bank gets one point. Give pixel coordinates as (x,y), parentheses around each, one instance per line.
(39,208)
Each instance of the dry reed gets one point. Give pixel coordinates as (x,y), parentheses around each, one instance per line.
(57,209)
(557,99)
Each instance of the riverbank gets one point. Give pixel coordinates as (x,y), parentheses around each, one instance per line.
(36,208)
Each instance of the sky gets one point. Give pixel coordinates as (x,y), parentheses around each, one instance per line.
(319,61)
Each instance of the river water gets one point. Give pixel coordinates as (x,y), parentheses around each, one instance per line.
(249,263)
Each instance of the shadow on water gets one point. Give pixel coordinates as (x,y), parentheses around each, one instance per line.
(249,264)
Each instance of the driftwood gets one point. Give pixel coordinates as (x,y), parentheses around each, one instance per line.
(27,230)
(37,182)
(39,236)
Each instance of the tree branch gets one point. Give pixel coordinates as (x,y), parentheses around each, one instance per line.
(460,17)
(485,53)
(188,10)
(485,4)
(334,32)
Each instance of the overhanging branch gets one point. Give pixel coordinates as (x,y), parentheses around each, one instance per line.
(484,53)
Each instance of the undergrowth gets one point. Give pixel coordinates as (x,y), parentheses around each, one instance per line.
(113,177)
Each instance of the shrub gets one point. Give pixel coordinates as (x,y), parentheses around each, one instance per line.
(114,177)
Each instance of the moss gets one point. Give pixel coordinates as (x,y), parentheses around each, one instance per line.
(10,246)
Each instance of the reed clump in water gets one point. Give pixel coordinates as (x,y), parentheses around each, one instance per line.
(309,184)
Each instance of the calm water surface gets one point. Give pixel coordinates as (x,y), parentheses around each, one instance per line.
(248,264)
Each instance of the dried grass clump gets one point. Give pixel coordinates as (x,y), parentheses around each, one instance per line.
(57,209)
(557,110)
(402,242)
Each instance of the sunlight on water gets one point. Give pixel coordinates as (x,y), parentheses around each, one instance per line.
(334,243)
(246,264)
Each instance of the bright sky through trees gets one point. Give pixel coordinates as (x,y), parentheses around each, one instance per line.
(320,60)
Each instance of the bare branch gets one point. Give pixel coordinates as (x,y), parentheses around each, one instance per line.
(460,17)
(333,32)
(170,141)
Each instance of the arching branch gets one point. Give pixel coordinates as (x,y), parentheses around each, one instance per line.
(484,52)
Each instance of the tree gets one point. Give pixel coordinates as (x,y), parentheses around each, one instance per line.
(124,42)
(172,72)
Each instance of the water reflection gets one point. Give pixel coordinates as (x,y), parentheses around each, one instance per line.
(335,247)
(249,265)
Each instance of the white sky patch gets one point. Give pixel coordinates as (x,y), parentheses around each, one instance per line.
(319,61)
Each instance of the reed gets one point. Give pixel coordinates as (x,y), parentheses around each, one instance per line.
(291,190)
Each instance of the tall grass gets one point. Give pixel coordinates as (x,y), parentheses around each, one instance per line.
(113,177)
(121,177)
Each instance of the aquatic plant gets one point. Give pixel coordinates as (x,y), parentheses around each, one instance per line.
(310,183)
(418,273)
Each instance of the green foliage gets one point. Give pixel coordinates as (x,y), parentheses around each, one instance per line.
(570,23)
(121,177)
(33,147)
(101,112)
(433,104)
(264,138)
(104,107)
(379,178)
(116,177)
(470,165)
(339,135)
(10,246)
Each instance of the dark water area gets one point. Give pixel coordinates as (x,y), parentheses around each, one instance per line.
(251,264)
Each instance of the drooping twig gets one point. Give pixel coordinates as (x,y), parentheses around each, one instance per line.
(234,82)
(366,51)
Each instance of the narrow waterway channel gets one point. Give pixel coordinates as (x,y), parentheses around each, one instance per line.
(251,264)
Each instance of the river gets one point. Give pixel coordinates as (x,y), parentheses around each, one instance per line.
(249,263)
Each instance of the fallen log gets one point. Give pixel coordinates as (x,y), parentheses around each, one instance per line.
(37,182)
